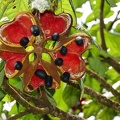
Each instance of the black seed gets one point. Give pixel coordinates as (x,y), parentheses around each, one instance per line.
(65,77)
(63,50)
(55,36)
(24,41)
(58,61)
(18,65)
(79,41)
(30,87)
(40,73)
(35,30)
(48,81)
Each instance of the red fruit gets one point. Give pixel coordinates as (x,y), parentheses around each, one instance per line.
(6,55)
(52,23)
(13,51)
(14,31)
(37,81)
(73,64)
(9,66)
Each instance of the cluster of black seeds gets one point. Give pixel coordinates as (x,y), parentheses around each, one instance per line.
(35,32)
(43,75)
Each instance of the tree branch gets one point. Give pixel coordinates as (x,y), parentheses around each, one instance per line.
(100,98)
(103,83)
(102,26)
(113,63)
(21,114)
(10,90)
(47,108)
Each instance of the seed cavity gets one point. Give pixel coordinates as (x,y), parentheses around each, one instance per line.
(55,36)
(40,73)
(30,87)
(48,81)
(79,41)
(24,41)
(63,50)
(58,61)
(18,65)
(35,30)
(65,77)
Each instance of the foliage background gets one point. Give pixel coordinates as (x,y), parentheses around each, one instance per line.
(102,60)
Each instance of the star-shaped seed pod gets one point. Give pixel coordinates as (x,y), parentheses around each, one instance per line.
(25,48)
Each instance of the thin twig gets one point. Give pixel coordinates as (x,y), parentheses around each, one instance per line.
(99,97)
(103,83)
(116,18)
(102,26)
(19,115)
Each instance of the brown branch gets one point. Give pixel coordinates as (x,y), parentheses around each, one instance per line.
(19,115)
(116,18)
(10,90)
(103,83)
(63,115)
(102,26)
(113,63)
(100,98)
(48,108)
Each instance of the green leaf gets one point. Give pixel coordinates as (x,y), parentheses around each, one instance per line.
(79,14)
(90,17)
(92,83)
(111,3)
(14,110)
(10,8)
(117,28)
(110,13)
(78,3)
(7,98)
(29,117)
(1,107)
(71,95)
(112,42)
(58,96)
(106,114)
(65,6)
(2,74)
(16,82)
(97,65)
(91,108)
(2,94)
(3,6)
(51,99)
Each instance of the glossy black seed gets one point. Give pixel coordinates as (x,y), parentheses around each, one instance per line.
(35,30)
(63,50)
(30,87)
(18,65)
(48,81)
(65,77)
(40,73)
(24,41)
(79,41)
(55,36)
(58,61)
